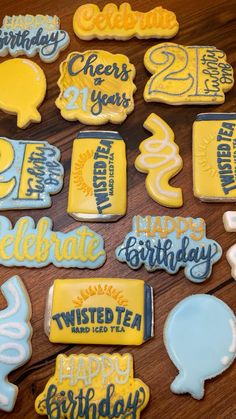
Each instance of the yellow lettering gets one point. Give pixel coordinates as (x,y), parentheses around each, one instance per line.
(42,247)
(198,230)
(57,246)
(27,244)
(5,242)
(86,16)
(20,230)
(69,248)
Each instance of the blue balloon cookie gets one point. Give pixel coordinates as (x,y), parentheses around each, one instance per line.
(200,338)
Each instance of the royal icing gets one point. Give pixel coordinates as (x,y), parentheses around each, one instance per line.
(161,160)
(96,87)
(29,35)
(97,190)
(200,338)
(36,245)
(99,311)
(121,22)
(170,243)
(18,79)
(98,386)
(187,74)
(31,172)
(15,335)
(214,151)
(229,221)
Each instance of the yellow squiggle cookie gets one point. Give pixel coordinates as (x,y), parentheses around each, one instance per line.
(161,160)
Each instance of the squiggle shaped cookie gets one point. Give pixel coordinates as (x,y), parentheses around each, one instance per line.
(15,334)
(161,160)
(229,220)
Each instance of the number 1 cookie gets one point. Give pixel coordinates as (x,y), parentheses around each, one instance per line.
(187,75)
(161,160)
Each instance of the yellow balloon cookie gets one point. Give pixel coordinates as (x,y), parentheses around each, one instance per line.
(121,22)
(22,89)
(161,160)
(96,87)
(187,75)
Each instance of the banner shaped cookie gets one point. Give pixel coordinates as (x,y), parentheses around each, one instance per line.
(96,87)
(22,90)
(96,386)
(15,335)
(29,35)
(97,189)
(36,245)
(200,338)
(30,172)
(99,311)
(187,75)
(170,243)
(161,160)
(121,22)
(214,151)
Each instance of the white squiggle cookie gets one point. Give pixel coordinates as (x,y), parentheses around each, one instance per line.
(15,335)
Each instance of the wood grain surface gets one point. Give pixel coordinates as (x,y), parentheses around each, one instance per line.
(202,22)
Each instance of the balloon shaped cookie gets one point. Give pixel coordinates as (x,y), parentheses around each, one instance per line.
(200,338)
(22,89)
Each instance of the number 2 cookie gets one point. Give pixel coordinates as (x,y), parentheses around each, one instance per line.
(187,74)
(96,87)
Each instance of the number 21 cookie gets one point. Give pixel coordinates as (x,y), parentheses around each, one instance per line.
(96,87)
(187,74)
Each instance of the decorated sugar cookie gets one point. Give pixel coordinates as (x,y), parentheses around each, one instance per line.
(15,335)
(96,87)
(22,90)
(121,22)
(30,172)
(29,35)
(187,75)
(200,338)
(99,311)
(36,245)
(161,160)
(170,243)
(97,190)
(229,220)
(99,385)
(214,148)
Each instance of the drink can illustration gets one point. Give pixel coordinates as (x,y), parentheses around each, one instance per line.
(98,179)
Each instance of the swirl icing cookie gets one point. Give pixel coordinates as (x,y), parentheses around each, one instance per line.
(96,87)
(106,382)
(170,243)
(121,22)
(18,79)
(161,160)
(200,338)
(31,172)
(187,75)
(99,311)
(36,245)
(98,185)
(29,35)
(15,336)
(214,148)
(229,221)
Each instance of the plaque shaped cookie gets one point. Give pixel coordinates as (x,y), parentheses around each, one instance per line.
(106,382)
(160,159)
(22,90)
(121,22)
(187,75)
(30,173)
(170,243)
(96,87)
(29,35)
(214,151)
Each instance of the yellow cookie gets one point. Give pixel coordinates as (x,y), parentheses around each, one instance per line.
(214,157)
(93,386)
(187,75)
(22,89)
(161,160)
(96,87)
(121,22)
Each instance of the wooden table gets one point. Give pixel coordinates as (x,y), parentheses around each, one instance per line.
(202,22)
